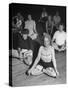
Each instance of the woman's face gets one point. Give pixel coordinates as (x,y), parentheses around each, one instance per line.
(61,28)
(29,17)
(46,42)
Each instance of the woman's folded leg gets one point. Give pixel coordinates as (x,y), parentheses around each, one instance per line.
(28,60)
(50,71)
(37,70)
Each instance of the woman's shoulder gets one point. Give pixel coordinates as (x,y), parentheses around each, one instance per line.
(41,47)
(50,47)
(64,32)
(57,32)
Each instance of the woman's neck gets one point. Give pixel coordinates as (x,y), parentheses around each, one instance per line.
(46,47)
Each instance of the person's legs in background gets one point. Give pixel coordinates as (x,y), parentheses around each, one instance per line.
(55,46)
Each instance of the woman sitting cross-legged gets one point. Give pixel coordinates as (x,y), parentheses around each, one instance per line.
(59,39)
(45,61)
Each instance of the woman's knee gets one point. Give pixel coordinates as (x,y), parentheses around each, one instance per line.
(33,72)
(50,72)
(14,53)
(26,61)
(29,60)
(53,74)
(36,72)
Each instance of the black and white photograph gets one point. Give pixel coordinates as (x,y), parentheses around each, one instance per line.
(37,44)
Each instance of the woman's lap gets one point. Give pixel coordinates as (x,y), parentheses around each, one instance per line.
(49,71)
(39,69)
(45,64)
(56,47)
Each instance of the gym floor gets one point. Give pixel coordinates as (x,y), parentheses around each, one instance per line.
(19,78)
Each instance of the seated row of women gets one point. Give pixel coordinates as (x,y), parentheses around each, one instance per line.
(46,24)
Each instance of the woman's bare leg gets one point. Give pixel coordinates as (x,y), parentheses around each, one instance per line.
(14,53)
(37,71)
(50,72)
(28,61)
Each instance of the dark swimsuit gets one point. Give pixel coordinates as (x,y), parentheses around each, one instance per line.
(45,64)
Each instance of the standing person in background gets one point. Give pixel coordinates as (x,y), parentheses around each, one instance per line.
(56,20)
(41,25)
(31,26)
(59,39)
(44,13)
(18,22)
(17,26)
(43,19)
(49,25)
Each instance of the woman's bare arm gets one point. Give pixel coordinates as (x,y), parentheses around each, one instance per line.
(38,58)
(54,60)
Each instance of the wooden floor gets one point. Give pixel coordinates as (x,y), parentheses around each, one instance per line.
(19,78)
